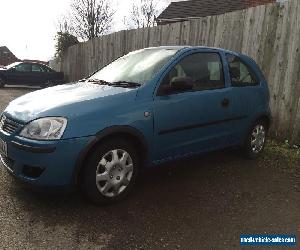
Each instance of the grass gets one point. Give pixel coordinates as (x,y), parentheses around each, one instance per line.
(283,149)
(282,155)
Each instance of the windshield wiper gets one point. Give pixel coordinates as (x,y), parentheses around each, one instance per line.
(116,84)
(97,81)
(126,83)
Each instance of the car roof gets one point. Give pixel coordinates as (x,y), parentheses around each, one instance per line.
(188,47)
(36,63)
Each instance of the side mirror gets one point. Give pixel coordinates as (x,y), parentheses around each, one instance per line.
(181,83)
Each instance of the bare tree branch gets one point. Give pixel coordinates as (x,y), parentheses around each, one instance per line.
(64,25)
(91,18)
(143,14)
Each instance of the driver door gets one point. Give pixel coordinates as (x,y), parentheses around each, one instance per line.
(21,74)
(196,120)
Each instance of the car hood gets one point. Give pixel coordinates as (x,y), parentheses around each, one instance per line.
(62,100)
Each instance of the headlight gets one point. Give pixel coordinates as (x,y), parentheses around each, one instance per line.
(49,128)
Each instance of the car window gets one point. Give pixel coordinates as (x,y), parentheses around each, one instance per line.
(23,67)
(204,69)
(45,68)
(138,66)
(240,74)
(37,68)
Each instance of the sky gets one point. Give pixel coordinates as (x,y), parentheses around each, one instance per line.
(28,27)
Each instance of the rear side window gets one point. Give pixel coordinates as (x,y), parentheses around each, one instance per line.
(36,68)
(240,74)
(205,70)
(46,69)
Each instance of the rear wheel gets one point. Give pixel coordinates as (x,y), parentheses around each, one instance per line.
(256,140)
(47,84)
(111,172)
(2,82)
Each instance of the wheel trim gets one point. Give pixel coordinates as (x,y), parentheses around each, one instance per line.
(114,172)
(258,138)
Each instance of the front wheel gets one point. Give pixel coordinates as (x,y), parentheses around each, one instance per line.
(256,140)
(111,171)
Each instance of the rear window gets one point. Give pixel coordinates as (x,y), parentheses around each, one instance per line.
(240,74)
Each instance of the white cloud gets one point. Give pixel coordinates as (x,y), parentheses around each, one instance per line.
(28,27)
(124,7)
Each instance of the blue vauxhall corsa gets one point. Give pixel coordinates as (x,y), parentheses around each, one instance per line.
(147,107)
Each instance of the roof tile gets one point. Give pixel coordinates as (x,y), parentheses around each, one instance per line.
(201,8)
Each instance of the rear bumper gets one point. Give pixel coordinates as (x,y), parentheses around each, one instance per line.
(42,163)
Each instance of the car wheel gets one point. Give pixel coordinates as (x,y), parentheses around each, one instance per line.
(49,83)
(110,172)
(2,82)
(256,140)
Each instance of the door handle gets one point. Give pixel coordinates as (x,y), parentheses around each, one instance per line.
(225,103)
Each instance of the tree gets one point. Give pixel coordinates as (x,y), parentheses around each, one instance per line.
(63,41)
(143,14)
(64,25)
(90,18)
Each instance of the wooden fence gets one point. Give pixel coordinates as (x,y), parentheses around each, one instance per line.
(270,34)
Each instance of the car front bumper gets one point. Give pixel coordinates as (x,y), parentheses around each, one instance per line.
(43,163)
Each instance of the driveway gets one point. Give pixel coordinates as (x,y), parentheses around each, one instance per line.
(201,203)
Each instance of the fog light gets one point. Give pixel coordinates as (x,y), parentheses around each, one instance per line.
(32,172)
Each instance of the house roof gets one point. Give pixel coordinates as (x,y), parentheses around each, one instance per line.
(201,8)
(4,49)
(6,56)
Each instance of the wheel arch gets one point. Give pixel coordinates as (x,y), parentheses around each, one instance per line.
(266,118)
(129,133)
(2,76)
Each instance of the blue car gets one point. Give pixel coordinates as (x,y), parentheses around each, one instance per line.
(148,107)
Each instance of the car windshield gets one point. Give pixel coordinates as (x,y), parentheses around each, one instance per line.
(136,67)
(12,65)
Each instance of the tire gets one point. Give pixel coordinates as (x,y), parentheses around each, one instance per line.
(47,84)
(256,139)
(2,82)
(116,178)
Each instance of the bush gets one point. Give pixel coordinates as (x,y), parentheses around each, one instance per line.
(64,40)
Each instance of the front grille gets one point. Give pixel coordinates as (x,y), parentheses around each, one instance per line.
(9,163)
(9,126)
